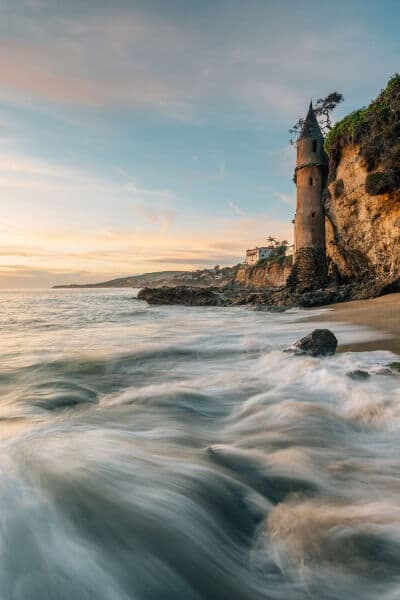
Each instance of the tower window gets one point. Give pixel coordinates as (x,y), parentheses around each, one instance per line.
(314,145)
(313,214)
(310,181)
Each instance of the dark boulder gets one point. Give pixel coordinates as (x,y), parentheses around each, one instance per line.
(321,342)
(358,375)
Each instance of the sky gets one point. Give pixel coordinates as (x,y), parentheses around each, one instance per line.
(148,135)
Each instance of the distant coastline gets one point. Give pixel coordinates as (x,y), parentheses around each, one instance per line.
(216,276)
(127,282)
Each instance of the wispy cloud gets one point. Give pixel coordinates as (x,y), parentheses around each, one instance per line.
(157,216)
(289,199)
(23,179)
(139,229)
(235,208)
(129,251)
(141,58)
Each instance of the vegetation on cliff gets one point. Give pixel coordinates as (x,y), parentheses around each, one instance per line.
(322,110)
(277,255)
(280,259)
(362,200)
(376,129)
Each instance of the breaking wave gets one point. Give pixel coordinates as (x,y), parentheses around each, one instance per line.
(168,453)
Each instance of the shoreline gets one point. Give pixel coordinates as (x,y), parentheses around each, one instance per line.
(380,314)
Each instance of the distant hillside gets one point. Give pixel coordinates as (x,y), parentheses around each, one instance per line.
(201,277)
(134,281)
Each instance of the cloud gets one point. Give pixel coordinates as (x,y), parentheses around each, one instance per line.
(95,61)
(114,252)
(37,191)
(115,226)
(27,277)
(235,208)
(289,199)
(263,56)
(164,217)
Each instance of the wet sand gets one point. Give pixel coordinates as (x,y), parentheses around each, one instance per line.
(380,314)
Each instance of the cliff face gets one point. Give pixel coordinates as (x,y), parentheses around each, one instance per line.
(362,203)
(362,230)
(273,274)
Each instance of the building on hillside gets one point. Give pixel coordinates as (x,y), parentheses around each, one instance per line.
(258,253)
(289,250)
(309,270)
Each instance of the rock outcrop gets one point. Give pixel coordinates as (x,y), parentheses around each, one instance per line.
(187,296)
(363,230)
(269,275)
(271,299)
(362,202)
(321,342)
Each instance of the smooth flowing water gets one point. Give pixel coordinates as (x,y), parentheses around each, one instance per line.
(172,453)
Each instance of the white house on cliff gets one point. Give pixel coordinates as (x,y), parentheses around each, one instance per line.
(258,253)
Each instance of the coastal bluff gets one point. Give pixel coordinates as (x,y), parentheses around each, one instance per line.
(361,208)
(272,274)
(363,228)
(362,199)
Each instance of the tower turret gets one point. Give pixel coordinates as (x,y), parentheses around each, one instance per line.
(309,269)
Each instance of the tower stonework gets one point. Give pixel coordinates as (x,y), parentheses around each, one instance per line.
(309,268)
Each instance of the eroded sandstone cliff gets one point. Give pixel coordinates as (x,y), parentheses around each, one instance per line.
(362,230)
(362,203)
(270,275)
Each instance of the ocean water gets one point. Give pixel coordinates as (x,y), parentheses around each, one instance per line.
(173,453)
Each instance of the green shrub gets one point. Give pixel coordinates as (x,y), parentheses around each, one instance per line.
(345,130)
(376,128)
(278,255)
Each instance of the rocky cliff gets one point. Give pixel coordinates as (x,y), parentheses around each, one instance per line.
(270,275)
(362,202)
(363,230)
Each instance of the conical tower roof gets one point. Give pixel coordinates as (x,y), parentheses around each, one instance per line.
(311,128)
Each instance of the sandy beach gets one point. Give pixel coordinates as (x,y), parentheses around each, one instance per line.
(381,314)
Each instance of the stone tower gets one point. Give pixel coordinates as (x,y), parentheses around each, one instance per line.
(309,269)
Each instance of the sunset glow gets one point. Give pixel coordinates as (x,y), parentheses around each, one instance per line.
(135,137)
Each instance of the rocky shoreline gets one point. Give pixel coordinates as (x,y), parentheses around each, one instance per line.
(263,299)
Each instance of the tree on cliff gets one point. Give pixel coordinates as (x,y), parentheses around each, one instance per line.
(273,241)
(322,109)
